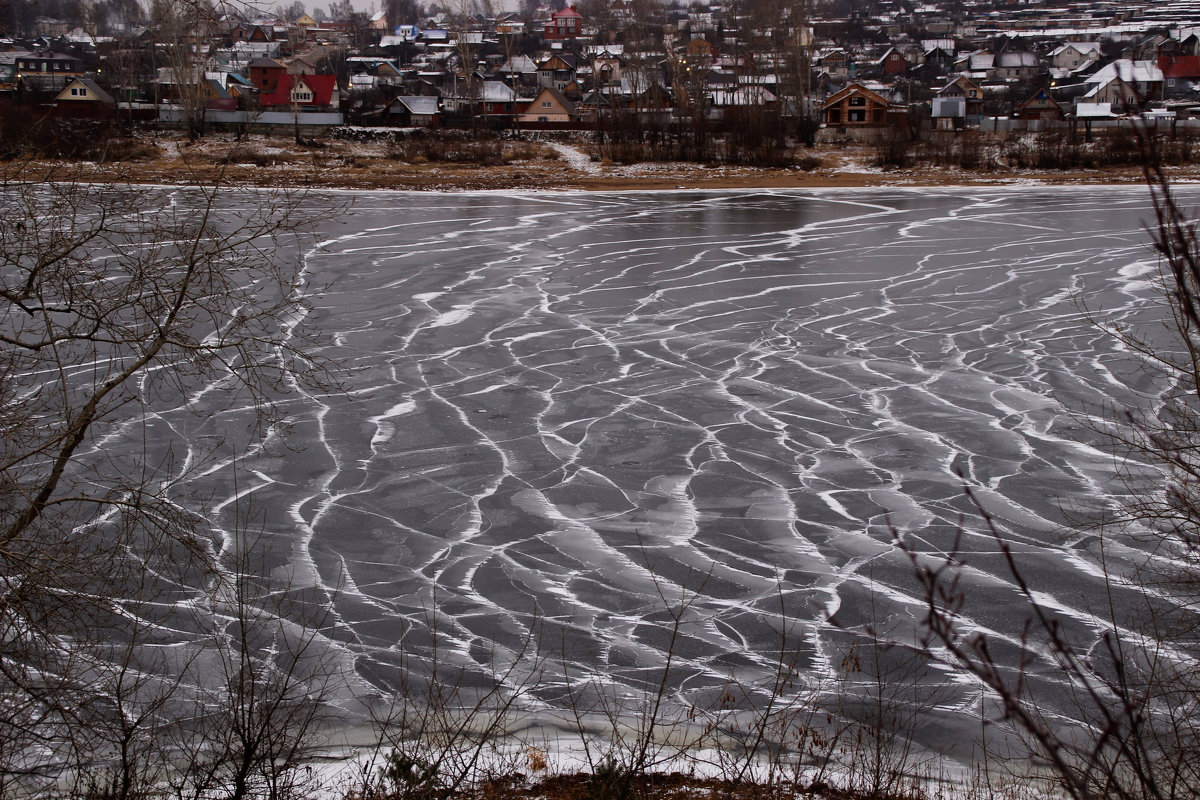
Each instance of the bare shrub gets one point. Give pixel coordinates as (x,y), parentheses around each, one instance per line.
(628,736)
(893,150)
(248,154)
(1132,683)
(448,147)
(106,309)
(449,724)
(263,684)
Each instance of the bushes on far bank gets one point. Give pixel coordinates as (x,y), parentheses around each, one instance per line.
(741,137)
(24,133)
(1059,149)
(462,147)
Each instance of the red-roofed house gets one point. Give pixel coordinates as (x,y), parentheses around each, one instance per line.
(1179,66)
(1180,74)
(303,91)
(564,24)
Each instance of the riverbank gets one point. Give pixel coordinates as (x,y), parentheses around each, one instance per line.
(530,166)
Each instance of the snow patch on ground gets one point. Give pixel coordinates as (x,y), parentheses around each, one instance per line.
(858,166)
(576,159)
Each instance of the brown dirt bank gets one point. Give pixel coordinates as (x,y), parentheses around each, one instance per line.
(334,164)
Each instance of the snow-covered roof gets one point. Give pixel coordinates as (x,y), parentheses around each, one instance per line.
(1128,71)
(497,92)
(982,61)
(521,65)
(1017,60)
(1080,47)
(1094,111)
(949,45)
(419,104)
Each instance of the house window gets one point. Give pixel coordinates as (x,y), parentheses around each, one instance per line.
(545,104)
(858,101)
(302,97)
(78,92)
(855,116)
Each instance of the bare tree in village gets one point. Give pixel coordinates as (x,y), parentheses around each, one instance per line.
(185,28)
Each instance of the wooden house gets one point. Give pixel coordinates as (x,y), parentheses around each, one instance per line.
(1040,105)
(556,72)
(857,107)
(961,98)
(892,62)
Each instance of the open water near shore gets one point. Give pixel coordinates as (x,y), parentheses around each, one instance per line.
(569,414)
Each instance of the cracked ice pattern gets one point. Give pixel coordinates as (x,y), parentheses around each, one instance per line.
(576,405)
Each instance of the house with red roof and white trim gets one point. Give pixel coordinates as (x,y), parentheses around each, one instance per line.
(310,92)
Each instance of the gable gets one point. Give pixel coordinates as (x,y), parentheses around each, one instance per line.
(961,87)
(305,89)
(1039,99)
(83,90)
(855,89)
(555,62)
(550,101)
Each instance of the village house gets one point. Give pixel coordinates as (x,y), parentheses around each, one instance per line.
(556,72)
(413,111)
(550,106)
(1015,66)
(857,107)
(564,24)
(1072,55)
(303,92)
(1180,74)
(265,74)
(46,70)
(742,101)
(1125,84)
(251,33)
(82,97)
(1039,106)
(892,62)
(958,104)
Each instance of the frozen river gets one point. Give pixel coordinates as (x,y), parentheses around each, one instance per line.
(566,412)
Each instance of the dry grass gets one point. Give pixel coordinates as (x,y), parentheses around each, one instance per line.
(455,166)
